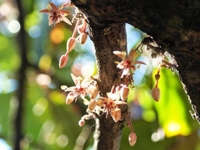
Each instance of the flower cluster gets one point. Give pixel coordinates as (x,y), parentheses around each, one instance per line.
(58,14)
(87,89)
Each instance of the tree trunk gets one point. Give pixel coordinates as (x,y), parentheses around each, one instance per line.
(107,38)
(174,25)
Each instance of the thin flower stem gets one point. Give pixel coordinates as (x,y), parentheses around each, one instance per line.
(66,54)
(75,29)
(158,73)
(156,83)
(130,124)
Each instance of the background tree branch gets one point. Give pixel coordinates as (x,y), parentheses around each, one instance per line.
(18,135)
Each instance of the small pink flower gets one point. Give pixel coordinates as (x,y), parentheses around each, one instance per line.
(127,65)
(75,91)
(82,88)
(111,103)
(56,15)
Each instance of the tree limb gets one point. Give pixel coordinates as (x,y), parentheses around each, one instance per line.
(173,24)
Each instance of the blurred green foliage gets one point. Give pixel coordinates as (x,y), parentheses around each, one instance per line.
(48,123)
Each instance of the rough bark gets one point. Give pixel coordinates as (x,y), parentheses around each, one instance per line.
(174,25)
(108,38)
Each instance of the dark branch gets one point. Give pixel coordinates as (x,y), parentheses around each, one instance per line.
(173,24)
(22,79)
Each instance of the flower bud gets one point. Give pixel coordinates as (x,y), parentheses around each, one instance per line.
(71,43)
(81,29)
(70,98)
(124,91)
(156,94)
(63,61)
(83,38)
(81,123)
(92,104)
(132,138)
(116,114)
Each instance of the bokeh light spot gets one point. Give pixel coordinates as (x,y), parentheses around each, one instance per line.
(43,79)
(158,136)
(34,31)
(50,138)
(40,107)
(5,9)
(62,140)
(88,69)
(48,126)
(173,129)
(4,145)
(57,36)
(149,115)
(13,26)
(45,62)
